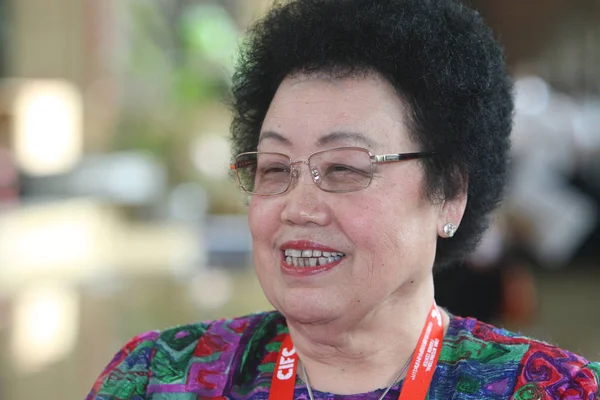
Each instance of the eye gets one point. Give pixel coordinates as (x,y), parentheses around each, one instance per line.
(344,169)
(276,169)
(339,168)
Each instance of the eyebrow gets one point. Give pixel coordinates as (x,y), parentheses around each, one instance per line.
(324,140)
(273,135)
(342,135)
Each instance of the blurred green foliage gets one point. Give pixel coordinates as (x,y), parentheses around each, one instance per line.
(178,58)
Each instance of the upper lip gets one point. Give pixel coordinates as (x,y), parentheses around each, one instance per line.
(306,245)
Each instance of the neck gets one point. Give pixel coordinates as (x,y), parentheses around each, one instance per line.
(357,355)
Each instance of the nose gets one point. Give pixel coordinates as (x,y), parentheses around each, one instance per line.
(304,202)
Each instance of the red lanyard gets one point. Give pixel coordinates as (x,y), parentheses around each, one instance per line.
(418,376)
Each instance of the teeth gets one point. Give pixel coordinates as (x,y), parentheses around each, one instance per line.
(310,258)
(310,261)
(311,253)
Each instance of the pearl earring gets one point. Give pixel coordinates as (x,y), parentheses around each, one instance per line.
(450,229)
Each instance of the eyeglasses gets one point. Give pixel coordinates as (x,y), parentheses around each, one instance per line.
(339,170)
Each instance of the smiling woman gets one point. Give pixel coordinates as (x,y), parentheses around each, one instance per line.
(385,227)
(372,138)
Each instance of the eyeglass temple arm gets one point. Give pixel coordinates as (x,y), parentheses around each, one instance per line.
(386,158)
(382,158)
(239,164)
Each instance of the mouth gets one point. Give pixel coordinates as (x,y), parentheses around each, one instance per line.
(308,257)
(311,258)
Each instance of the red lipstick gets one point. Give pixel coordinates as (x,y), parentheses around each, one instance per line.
(306,245)
(290,269)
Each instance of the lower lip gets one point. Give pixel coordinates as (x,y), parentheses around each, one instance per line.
(308,271)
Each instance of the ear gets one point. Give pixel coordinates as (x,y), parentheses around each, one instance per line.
(452,211)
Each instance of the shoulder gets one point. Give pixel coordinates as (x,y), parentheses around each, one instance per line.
(150,362)
(126,375)
(529,368)
(550,372)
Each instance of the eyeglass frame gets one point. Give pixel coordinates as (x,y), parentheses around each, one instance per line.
(374,158)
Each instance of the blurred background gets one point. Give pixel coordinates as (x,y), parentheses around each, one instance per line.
(118,216)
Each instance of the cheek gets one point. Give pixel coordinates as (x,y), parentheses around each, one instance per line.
(372,227)
(264,223)
(395,227)
(262,220)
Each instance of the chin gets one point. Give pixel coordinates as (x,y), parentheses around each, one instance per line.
(307,308)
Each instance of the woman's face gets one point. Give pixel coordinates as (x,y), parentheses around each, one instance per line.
(385,235)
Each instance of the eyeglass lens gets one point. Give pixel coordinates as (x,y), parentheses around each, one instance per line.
(335,170)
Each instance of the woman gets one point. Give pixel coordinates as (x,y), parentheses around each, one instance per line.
(382,131)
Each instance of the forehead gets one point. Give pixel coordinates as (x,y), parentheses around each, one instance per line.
(322,111)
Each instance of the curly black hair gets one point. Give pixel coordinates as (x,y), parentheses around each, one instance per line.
(440,57)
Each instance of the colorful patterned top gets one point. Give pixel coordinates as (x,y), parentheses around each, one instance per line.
(235,358)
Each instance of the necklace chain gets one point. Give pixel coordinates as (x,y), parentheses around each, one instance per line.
(396,379)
